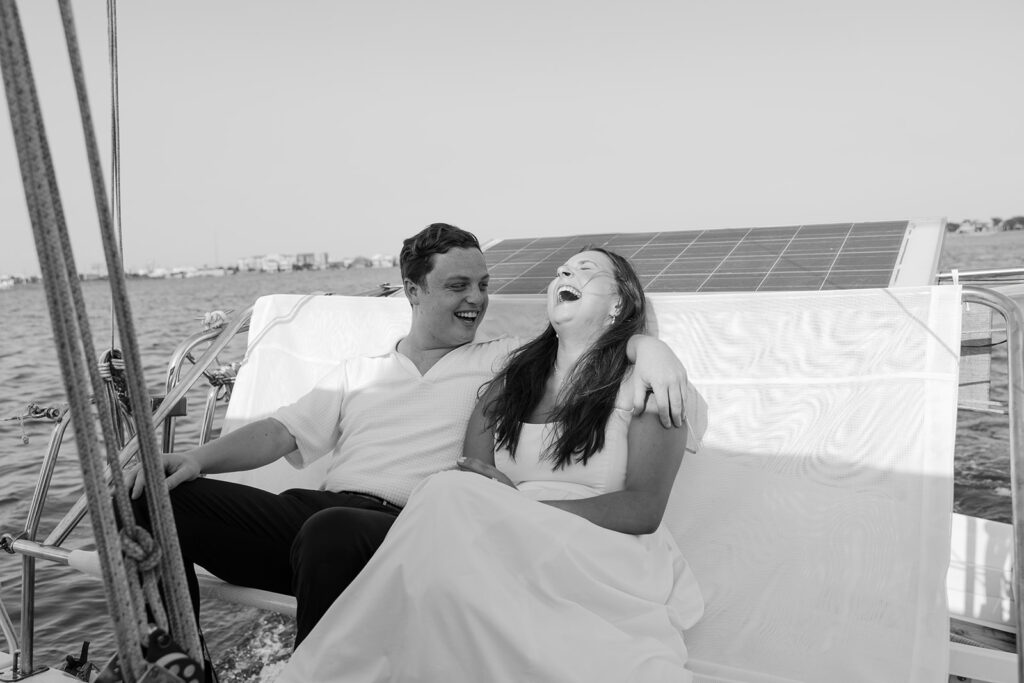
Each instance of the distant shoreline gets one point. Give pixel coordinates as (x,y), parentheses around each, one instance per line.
(964,251)
(982,250)
(1009,234)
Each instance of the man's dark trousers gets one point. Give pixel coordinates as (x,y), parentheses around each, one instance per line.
(301,542)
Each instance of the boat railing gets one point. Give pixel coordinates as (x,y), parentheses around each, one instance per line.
(183,352)
(26,542)
(981,335)
(983,276)
(1014,319)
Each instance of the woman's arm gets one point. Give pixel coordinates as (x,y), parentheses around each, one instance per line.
(479,443)
(478,448)
(654,457)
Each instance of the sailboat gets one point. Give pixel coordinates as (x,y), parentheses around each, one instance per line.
(861,290)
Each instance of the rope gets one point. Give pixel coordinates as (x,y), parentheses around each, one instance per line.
(111,367)
(135,602)
(74,344)
(172,572)
(46,217)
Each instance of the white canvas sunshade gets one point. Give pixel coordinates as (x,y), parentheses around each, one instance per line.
(816,516)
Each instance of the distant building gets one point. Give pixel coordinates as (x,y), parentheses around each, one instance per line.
(972,226)
(316,261)
(380,261)
(249,263)
(275,263)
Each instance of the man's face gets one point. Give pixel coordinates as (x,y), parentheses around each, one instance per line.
(448,310)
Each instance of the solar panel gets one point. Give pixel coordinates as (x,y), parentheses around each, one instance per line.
(802,257)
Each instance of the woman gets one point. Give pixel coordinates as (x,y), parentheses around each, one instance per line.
(488,579)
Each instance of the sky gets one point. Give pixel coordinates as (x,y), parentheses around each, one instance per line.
(254,127)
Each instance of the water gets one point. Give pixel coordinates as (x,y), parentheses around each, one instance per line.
(244,642)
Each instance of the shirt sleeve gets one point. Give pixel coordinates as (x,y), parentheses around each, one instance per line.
(315,419)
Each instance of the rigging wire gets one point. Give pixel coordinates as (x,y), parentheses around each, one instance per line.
(115,147)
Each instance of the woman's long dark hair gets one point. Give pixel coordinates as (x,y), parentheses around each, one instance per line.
(588,395)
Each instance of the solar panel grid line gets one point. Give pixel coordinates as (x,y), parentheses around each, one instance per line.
(817,262)
(508,260)
(777,260)
(761,264)
(876,237)
(521,253)
(829,273)
(631,256)
(677,257)
(720,265)
(866,260)
(859,248)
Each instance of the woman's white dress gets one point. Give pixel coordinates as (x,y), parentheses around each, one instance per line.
(480,582)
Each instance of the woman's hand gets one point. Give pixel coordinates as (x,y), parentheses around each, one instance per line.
(484,469)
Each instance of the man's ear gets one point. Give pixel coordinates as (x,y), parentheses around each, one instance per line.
(412,291)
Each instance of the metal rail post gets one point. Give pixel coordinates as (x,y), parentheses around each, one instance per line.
(1009,309)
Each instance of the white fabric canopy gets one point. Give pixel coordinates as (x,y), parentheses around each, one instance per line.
(816,517)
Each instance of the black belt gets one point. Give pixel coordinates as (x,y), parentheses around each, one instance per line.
(376,499)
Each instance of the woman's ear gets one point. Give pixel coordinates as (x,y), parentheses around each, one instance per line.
(616,309)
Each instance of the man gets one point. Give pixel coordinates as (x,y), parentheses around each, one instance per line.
(386,421)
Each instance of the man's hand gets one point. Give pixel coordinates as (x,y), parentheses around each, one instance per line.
(179,467)
(658,371)
(484,469)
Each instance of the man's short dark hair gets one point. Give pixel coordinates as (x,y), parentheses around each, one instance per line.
(437,238)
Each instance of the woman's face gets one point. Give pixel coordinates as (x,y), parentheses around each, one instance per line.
(584,295)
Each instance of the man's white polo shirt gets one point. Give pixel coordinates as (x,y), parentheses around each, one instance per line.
(385,426)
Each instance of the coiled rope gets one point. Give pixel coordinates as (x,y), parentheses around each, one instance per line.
(74,345)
